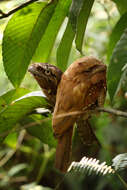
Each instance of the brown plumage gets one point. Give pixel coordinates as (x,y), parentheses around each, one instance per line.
(82,88)
(48,77)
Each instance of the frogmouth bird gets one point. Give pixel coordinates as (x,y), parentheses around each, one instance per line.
(48,77)
(82,88)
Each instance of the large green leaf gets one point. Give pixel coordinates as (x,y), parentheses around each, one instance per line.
(123,81)
(17,110)
(65,45)
(42,129)
(10,96)
(82,22)
(74,12)
(46,44)
(64,48)
(116,33)
(118,60)
(21,37)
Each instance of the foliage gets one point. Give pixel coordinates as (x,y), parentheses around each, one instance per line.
(118,61)
(89,166)
(58,32)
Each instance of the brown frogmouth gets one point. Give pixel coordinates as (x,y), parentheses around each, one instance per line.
(81,89)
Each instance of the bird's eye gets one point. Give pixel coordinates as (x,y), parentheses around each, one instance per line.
(47,72)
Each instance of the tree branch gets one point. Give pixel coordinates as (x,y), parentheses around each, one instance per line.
(4,15)
(10,153)
(101,109)
(112,111)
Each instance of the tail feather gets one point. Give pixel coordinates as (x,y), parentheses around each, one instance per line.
(86,133)
(63,150)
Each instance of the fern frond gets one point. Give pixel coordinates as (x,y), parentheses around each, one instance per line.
(120,162)
(90,165)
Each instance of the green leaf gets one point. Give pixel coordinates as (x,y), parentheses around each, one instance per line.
(18,109)
(65,45)
(11,95)
(118,60)
(21,37)
(11,140)
(42,129)
(123,81)
(74,11)
(118,30)
(46,44)
(121,5)
(64,48)
(82,22)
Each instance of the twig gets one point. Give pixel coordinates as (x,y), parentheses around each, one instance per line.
(18,179)
(112,111)
(4,15)
(15,179)
(101,109)
(12,152)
